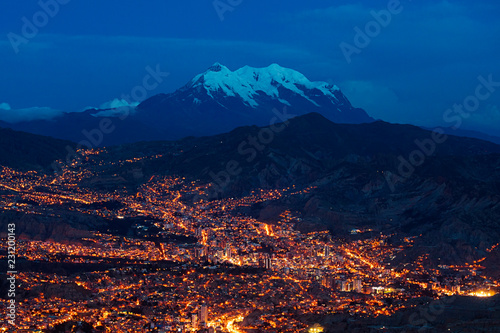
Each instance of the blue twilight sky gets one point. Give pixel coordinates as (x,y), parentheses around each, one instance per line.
(425,60)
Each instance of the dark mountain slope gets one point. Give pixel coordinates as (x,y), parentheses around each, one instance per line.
(29,151)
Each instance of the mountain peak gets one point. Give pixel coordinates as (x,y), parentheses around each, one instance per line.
(217,67)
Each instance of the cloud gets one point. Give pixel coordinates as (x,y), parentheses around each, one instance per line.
(117,103)
(10,115)
(115,107)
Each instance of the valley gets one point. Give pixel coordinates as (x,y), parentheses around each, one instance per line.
(142,236)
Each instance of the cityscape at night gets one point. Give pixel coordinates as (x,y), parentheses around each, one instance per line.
(250,167)
(188,262)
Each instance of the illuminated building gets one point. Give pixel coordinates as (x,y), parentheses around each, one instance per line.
(203,314)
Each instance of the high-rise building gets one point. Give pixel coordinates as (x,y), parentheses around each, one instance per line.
(268,263)
(198,252)
(327,281)
(345,286)
(357,286)
(194,320)
(203,314)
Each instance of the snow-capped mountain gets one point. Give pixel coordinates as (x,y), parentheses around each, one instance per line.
(213,102)
(249,83)
(219,100)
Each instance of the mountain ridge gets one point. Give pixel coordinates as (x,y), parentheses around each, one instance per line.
(215,101)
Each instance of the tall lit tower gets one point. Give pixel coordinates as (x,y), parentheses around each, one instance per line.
(203,314)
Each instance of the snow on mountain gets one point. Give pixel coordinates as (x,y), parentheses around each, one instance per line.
(249,82)
(219,100)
